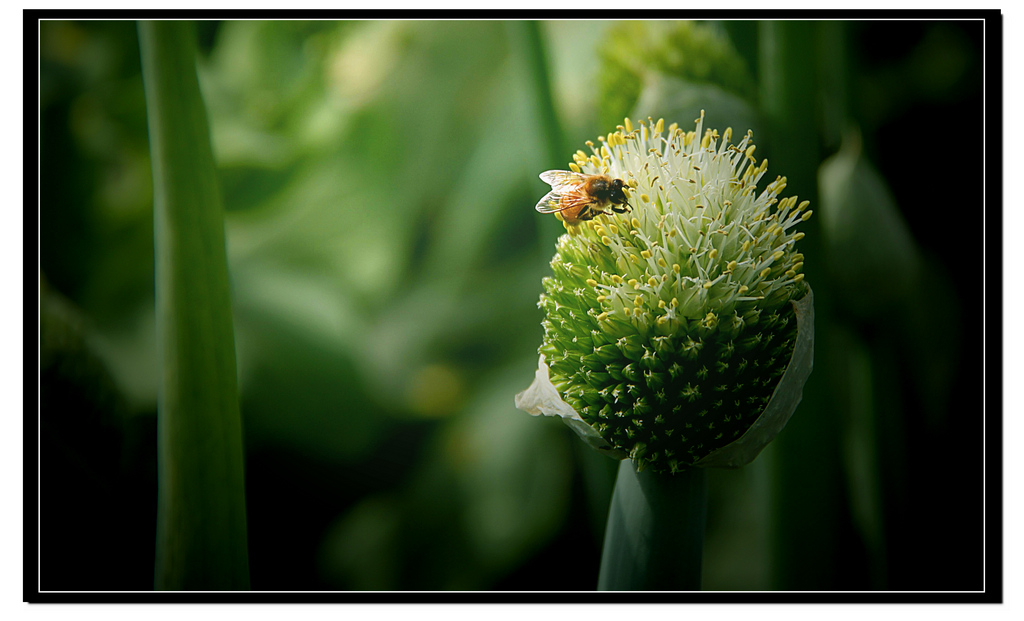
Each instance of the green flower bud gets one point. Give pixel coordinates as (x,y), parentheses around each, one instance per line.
(633,52)
(679,332)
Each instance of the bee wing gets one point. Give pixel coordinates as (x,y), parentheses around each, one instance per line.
(551,202)
(560,201)
(561,179)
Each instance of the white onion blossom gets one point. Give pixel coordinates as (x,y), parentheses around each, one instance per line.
(679,333)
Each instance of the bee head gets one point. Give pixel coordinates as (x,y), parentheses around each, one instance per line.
(618,194)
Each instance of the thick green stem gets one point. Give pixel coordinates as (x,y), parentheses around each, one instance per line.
(527,42)
(655,534)
(806,533)
(201,522)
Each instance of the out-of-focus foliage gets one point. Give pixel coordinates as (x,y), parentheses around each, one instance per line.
(869,245)
(385,263)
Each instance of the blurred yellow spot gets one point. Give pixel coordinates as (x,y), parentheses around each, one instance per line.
(436,391)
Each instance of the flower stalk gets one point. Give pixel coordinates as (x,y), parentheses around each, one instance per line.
(654,540)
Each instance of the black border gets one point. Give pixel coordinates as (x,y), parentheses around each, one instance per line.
(30,438)
(993,317)
(993,321)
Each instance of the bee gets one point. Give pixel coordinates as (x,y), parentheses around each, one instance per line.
(578,197)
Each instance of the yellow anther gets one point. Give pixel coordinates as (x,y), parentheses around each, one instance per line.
(790,273)
(798,266)
(645,254)
(673,127)
(672,233)
(602,316)
(706,140)
(607,241)
(750,152)
(605,153)
(659,127)
(652,281)
(708,284)
(675,302)
(807,215)
(574,168)
(627,311)
(803,205)
(731,266)
(799,235)
(778,255)
(596,161)
(591,282)
(746,245)
(766,271)
(616,279)
(662,262)
(798,278)
(628,124)
(727,134)
(742,289)
(675,268)
(635,223)
(661,303)
(798,257)
(599,230)
(614,229)
(632,282)
(602,298)
(713,253)
(662,320)
(638,300)
(633,258)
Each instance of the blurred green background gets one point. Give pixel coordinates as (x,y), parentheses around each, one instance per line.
(385,264)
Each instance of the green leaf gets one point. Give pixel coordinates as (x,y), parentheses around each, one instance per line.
(201,522)
(872,254)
